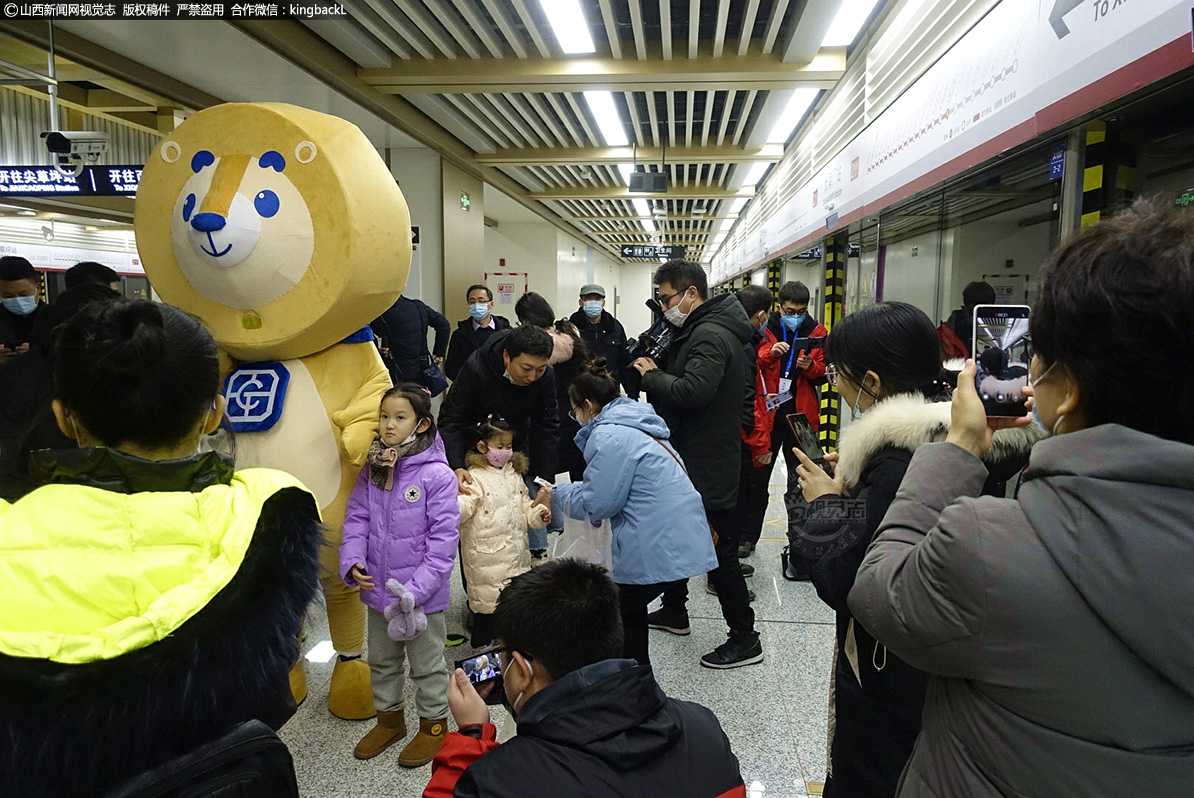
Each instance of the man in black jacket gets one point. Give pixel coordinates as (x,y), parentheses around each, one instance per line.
(508,376)
(403,333)
(588,723)
(699,393)
(20,305)
(605,335)
(475,330)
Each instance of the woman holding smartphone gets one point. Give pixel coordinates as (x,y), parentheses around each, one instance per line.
(1057,625)
(885,361)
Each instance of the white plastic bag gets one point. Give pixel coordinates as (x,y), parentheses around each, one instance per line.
(586,540)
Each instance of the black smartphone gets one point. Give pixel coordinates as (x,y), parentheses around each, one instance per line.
(807,436)
(1002,347)
(483,667)
(807,345)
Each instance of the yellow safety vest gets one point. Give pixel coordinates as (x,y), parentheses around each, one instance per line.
(89,574)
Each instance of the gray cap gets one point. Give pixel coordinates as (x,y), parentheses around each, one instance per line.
(591,288)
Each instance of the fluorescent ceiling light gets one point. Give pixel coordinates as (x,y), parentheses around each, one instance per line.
(627,169)
(848,22)
(737,205)
(643,208)
(756,173)
(793,112)
(569,25)
(601,104)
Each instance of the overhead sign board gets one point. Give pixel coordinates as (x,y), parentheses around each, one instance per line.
(651,251)
(46,181)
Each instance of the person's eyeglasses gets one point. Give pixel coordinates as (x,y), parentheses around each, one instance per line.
(572,415)
(799,312)
(831,375)
(667,303)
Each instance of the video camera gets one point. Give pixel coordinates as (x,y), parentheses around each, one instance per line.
(653,342)
(656,341)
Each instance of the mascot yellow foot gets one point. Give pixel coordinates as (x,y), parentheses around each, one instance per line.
(298,682)
(350,696)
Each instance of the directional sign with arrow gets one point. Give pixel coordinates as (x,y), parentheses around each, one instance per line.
(651,251)
(1060,9)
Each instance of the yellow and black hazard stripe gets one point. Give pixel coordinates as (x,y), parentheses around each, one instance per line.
(1093,194)
(773,278)
(835,298)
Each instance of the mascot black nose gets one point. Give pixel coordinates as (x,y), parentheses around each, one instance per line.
(208,222)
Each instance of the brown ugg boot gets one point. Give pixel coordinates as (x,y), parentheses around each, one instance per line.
(425,745)
(390,728)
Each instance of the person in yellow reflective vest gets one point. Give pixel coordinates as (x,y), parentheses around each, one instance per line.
(150,595)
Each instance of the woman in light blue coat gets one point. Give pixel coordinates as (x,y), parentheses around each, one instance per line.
(634,478)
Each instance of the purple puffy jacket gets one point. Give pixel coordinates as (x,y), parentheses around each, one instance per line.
(408,533)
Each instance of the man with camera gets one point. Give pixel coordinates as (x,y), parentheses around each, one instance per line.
(698,390)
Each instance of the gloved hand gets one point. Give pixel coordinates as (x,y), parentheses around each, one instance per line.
(406,621)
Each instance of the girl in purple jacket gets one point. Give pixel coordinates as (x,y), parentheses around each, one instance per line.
(400,536)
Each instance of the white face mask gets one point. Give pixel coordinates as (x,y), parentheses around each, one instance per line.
(518,700)
(675,316)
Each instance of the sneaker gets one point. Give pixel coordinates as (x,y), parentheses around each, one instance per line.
(669,620)
(739,650)
(538,554)
(747,570)
(745,549)
(712,591)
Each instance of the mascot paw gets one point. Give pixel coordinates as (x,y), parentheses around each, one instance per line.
(349,696)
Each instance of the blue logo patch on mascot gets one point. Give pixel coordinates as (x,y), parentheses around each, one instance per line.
(256,393)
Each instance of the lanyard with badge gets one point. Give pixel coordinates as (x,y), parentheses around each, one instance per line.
(785,382)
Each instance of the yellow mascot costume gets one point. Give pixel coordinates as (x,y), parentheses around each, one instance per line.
(283,230)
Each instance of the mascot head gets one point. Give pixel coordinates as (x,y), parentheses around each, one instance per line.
(278,226)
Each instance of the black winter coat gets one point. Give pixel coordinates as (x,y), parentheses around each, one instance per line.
(480,389)
(79,730)
(699,393)
(465,341)
(403,331)
(608,730)
(878,698)
(607,339)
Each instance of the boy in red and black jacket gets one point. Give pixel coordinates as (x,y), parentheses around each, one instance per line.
(589,723)
(803,366)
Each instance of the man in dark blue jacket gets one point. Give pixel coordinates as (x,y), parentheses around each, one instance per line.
(588,723)
(403,333)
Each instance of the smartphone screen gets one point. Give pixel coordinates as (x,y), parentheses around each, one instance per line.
(804,433)
(482,668)
(1002,349)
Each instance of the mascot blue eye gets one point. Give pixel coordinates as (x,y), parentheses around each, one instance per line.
(188,207)
(266,203)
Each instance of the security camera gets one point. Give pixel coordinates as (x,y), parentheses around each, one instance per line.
(78,143)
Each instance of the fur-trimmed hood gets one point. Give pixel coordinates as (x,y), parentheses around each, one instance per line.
(908,420)
(562,347)
(518,462)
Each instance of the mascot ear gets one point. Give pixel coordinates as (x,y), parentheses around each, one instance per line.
(201,159)
(272,160)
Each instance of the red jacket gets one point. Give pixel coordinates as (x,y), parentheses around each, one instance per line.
(766,383)
(803,392)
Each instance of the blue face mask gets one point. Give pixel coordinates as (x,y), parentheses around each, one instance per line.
(20,305)
(1036,415)
(479,311)
(793,322)
(592,308)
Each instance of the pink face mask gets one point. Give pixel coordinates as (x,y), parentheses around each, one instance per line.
(499,457)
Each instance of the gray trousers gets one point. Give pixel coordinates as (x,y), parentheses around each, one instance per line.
(428,668)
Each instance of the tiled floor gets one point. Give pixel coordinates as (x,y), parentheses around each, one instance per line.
(774,713)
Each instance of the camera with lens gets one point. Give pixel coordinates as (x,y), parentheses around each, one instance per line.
(73,146)
(653,342)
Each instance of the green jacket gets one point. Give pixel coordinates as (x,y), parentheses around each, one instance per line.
(699,393)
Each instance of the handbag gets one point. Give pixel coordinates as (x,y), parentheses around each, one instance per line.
(668,449)
(431,376)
